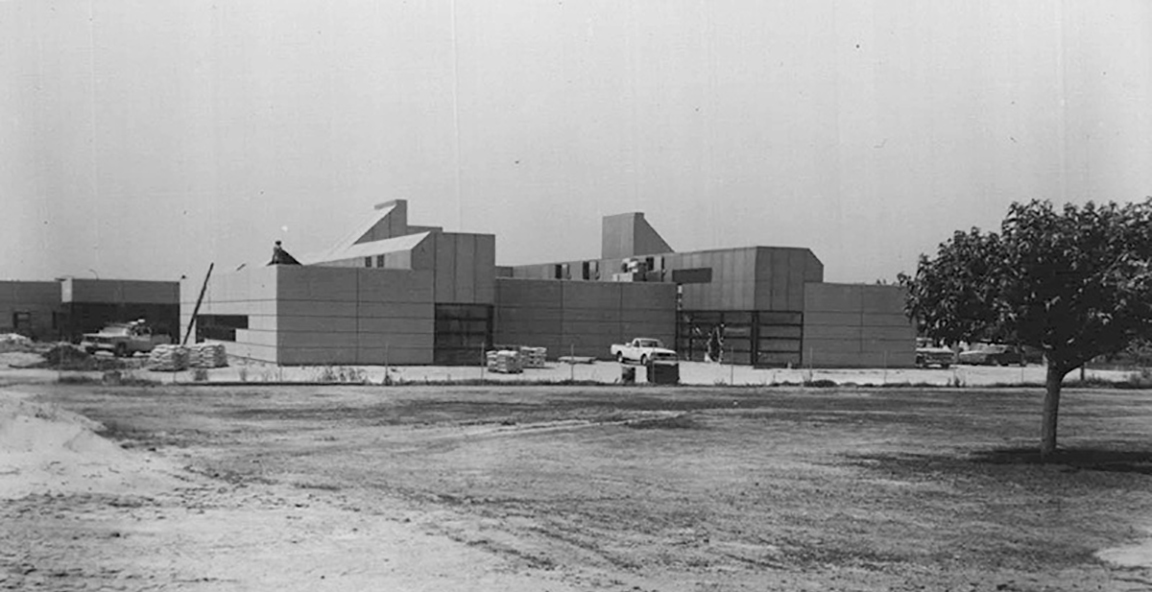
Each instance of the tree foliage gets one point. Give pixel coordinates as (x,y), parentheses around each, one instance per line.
(1074,282)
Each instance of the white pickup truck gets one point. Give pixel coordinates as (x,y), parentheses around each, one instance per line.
(643,350)
(123,339)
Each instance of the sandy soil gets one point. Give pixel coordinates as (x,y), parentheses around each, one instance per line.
(562,488)
(82,512)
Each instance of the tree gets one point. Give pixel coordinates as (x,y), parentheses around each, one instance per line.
(1075,283)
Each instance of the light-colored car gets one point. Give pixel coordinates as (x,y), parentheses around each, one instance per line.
(928,354)
(123,339)
(642,350)
(992,354)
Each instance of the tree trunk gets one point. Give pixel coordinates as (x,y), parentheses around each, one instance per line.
(1052,384)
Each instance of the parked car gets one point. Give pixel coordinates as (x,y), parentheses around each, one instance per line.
(992,354)
(928,354)
(123,339)
(643,350)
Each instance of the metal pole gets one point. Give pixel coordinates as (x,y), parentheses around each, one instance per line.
(731,367)
(572,362)
(196,310)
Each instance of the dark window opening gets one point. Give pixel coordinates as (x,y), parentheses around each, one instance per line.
(379,261)
(367,262)
(219,327)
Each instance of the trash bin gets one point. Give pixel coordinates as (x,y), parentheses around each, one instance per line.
(660,372)
(627,374)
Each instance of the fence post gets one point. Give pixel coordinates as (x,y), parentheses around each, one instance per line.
(731,366)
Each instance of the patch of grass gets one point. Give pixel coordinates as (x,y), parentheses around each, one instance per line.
(77,379)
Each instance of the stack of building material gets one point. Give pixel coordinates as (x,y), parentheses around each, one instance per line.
(207,355)
(505,361)
(533,357)
(168,358)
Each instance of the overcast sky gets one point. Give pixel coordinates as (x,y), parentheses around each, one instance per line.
(146,138)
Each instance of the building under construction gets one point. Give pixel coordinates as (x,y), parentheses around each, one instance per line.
(395,293)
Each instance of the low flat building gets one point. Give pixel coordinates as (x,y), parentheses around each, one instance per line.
(67,308)
(394,293)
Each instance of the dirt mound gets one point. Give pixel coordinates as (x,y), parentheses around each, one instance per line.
(44,449)
(65,356)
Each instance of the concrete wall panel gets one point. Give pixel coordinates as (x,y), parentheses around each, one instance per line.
(885,320)
(313,324)
(465,280)
(315,340)
(883,299)
(529,293)
(394,285)
(300,308)
(485,280)
(840,332)
(400,310)
(386,326)
(831,318)
(591,315)
(833,298)
(445,282)
(822,346)
(316,283)
(598,295)
(384,340)
(528,315)
(399,356)
(797,259)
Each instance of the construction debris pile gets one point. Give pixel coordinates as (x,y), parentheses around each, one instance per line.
(505,361)
(10,342)
(207,355)
(168,358)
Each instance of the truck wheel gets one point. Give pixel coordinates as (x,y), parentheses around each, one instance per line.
(620,357)
(121,350)
(644,360)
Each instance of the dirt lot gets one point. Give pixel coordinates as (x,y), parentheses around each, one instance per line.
(570,488)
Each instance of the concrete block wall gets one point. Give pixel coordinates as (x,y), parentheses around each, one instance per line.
(38,299)
(330,315)
(855,326)
(781,275)
(582,318)
(305,315)
(464,266)
(119,291)
(249,292)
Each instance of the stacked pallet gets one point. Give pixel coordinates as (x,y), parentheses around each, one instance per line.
(533,357)
(505,361)
(207,355)
(168,358)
